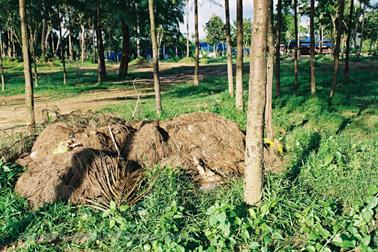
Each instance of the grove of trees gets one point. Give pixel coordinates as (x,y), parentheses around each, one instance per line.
(44,30)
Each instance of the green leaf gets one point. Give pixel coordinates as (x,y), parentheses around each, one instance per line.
(106,213)
(328,159)
(112,206)
(112,223)
(123,208)
(367,214)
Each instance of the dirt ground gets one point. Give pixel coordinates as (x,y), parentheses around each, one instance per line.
(13,113)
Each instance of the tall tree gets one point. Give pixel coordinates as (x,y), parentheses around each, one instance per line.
(336,53)
(62,46)
(297,44)
(100,45)
(349,35)
(215,32)
(187,30)
(29,95)
(269,84)
(155,53)
(312,48)
(229,49)
(196,51)
(1,62)
(254,155)
(239,56)
(278,48)
(362,27)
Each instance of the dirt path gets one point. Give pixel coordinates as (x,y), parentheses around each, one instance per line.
(14,114)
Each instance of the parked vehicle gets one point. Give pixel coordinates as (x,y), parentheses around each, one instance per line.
(304,46)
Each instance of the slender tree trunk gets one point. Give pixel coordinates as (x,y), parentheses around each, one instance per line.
(312,48)
(48,35)
(347,51)
(94,46)
(124,66)
(187,30)
(34,57)
(362,30)
(151,6)
(321,39)
(62,48)
(82,40)
(70,46)
(229,49)
(196,52)
(100,47)
(138,38)
(337,48)
(43,31)
(254,156)
(29,95)
(1,63)
(269,82)
(9,44)
(278,48)
(297,44)
(239,57)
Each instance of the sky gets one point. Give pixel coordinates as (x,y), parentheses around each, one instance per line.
(207,8)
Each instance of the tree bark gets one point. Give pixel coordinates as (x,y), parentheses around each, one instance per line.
(347,51)
(29,94)
(62,48)
(1,63)
(297,44)
(362,30)
(239,57)
(43,31)
(229,49)
(312,48)
(196,52)
(82,44)
(187,30)
(337,47)
(278,48)
(155,55)
(100,46)
(270,69)
(70,46)
(124,66)
(34,57)
(254,156)
(321,39)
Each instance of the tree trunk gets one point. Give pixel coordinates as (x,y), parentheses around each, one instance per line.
(155,55)
(362,30)
(312,48)
(188,34)
(229,49)
(82,40)
(48,35)
(62,48)
(1,63)
(297,44)
(278,48)
(100,47)
(347,51)
(70,46)
(269,82)
(337,48)
(239,57)
(254,156)
(196,53)
(43,34)
(124,66)
(321,39)
(29,95)
(34,57)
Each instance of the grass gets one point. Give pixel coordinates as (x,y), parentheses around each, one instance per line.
(326,200)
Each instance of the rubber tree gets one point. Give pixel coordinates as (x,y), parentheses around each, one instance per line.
(297,44)
(254,154)
(100,46)
(62,46)
(239,55)
(196,51)
(278,48)
(349,35)
(270,69)
(336,53)
(1,62)
(155,55)
(29,94)
(312,48)
(229,49)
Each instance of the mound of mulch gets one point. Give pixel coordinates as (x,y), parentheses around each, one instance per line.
(94,162)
